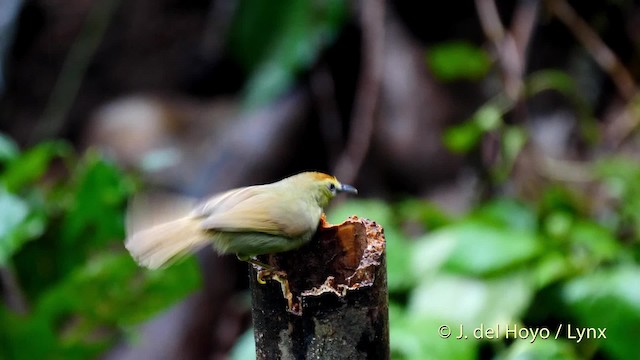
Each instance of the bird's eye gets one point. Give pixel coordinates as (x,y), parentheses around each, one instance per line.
(332,188)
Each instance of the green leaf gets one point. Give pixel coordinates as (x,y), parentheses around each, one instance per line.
(513,140)
(551,268)
(399,250)
(550,79)
(458,60)
(593,241)
(416,338)
(462,138)
(31,165)
(488,117)
(8,148)
(81,316)
(457,300)
(96,207)
(548,349)
(478,249)
(507,213)
(465,136)
(558,224)
(608,299)
(14,211)
(84,214)
(427,213)
(621,179)
(18,224)
(276,40)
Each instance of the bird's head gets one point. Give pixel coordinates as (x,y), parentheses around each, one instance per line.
(322,187)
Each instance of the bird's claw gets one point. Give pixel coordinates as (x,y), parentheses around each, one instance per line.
(256,263)
(260,276)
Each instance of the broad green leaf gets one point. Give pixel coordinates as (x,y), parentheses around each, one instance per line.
(479,249)
(18,224)
(31,165)
(8,148)
(80,317)
(84,215)
(399,249)
(597,242)
(608,299)
(276,40)
(507,213)
(25,337)
(513,140)
(558,224)
(558,197)
(430,254)
(458,60)
(13,211)
(462,138)
(621,179)
(548,349)
(97,204)
(488,117)
(457,300)
(466,136)
(552,267)
(428,214)
(550,79)
(416,337)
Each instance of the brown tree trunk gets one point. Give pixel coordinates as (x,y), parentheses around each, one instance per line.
(326,300)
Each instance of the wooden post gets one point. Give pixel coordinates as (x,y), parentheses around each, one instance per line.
(327,300)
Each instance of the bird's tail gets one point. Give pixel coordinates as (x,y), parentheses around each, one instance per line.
(161,231)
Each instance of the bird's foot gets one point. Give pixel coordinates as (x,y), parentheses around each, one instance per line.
(255,262)
(263,270)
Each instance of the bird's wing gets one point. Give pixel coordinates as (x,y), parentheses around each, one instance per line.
(253,209)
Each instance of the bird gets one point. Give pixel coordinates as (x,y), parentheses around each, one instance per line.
(247,221)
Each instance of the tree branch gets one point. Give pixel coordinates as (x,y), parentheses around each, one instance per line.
(600,52)
(329,298)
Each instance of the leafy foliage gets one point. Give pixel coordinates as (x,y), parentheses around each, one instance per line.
(276,40)
(61,233)
(457,60)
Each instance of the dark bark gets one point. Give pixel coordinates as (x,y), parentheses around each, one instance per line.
(327,300)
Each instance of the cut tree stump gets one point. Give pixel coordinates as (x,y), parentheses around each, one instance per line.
(326,300)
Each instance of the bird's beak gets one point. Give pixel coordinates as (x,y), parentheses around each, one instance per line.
(348,189)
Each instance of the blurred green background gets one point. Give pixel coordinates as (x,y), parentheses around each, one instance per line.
(500,155)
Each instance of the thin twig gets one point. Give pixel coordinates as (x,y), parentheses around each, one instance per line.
(73,70)
(510,46)
(524,22)
(628,121)
(601,53)
(490,21)
(365,104)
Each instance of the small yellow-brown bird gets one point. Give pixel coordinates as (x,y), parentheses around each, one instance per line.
(248,221)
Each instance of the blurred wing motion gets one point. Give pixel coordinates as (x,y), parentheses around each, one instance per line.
(161,228)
